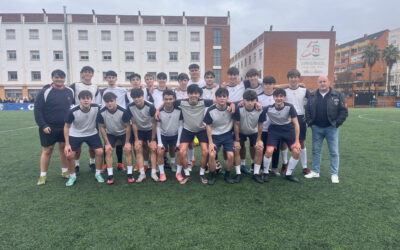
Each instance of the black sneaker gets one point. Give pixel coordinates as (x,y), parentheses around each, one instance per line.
(227,177)
(237,178)
(258,178)
(265,177)
(110,179)
(77,170)
(92,167)
(252,168)
(291,178)
(212,178)
(166,164)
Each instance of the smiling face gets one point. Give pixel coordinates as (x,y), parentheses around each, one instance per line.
(149,81)
(279,99)
(268,88)
(58,81)
(294,81)
(253,81)
(169,101)
(193,98)
(87,76)
(111,80)
(135,82)
(183,84)
(162,83)
(194,74)
(233,79)
(85,102)
(139,101)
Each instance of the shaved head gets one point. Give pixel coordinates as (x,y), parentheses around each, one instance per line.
(323,84)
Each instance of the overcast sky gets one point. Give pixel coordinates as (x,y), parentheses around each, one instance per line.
(351,18)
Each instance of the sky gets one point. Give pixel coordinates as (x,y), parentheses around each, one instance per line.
(249,18)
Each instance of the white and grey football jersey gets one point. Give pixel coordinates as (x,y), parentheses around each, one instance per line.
(146,96)
(298,98)
(79,86)
(201,83)
(266,100)
(236,92)
(83,124)
(259,89)
(281,116)
(249,119)
(143,115)
(169,121)
(122,96)
(209,93)
(114,122)
(220,120)
(158,97)
(181,94)
(193,114)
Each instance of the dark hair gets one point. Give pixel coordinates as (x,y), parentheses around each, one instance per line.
(133,76)
(194,66)
(161,75)
(168,92)
(183,76)
(293,73)
(269,80)
(221,92)
(194,88)
(85,93)
(279,91)
(233,71)
(58,72)
(109,97)
(252,72)
(137,92)
(250,95)
(111,73)
(209,73)
(149,74)
(87,68)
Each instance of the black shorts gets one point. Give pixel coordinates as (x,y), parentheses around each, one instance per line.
(252,139)
(56,135)
(144,135)
(92,141)
(225,140)
(114,138)
(278,133)
(188,136)
(303,127)
(168,140)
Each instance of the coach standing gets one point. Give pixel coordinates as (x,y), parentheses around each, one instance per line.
(325,112)
(52,104)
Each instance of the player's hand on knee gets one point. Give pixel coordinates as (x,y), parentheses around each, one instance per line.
(138,145)
(67,150)
(153,146)
(259,145)
(108,148)
(236,145)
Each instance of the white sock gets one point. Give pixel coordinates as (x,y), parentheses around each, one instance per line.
(292,165)
(243,162)
(284,156)
(257,169)
(98,171)
(161,168)
(178,169)
(153,171)
(110,171)
(142,171)
(92,160)
(187,172)
(303,157)
(202,171)
(130,169)
(72,175)
(146,163)
(43,173)
(76,162)
(252,161)
(237,168)
(172,160)
(267,162)
(63,170)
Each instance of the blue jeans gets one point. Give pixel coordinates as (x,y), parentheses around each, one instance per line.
(332,138)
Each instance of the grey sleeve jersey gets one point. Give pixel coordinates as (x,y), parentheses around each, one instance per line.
(119,92)
(143,116)
(193,114)
(249,120)
(236,92)
(266,100)
(83,124)
(220,120)
(281,116)
(297,97)
(209,93)
(169,121)
(79,86)
(201,83)
(114,123)
(180,94)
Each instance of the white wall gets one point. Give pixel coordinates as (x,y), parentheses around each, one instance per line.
(257,64)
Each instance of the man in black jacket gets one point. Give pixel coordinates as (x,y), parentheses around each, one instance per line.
(325,112)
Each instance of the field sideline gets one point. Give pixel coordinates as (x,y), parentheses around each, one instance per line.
(362,212)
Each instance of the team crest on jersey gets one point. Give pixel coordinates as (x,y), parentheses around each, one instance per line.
(336,101)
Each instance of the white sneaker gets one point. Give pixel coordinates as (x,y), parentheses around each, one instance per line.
(141,178)
(190,168)
(335,178)
(312,175)
(275,172)
(155,177)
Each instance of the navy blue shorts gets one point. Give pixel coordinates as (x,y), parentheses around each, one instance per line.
(168,140)
(278,133)
(144,135)
(56,135)
(188,136)
(92,141)
(114,138)
(225,140)
(252,139)
(303,127)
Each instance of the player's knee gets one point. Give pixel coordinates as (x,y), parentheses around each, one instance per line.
(48,150)
(98,151)
(230,155)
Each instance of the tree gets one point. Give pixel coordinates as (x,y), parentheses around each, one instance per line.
(390,54)
(371,56)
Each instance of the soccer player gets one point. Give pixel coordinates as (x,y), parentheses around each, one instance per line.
(149,80)
(51,104)
(219,124)
(80,126)
(284,127)
(115,128)
(235,87)
(86,84)
(158,92)
(169,129)
(297,96)
(253,81)
(210,88)
(249,123)
(181,92)
(135,81)
(194,72)
(144,127)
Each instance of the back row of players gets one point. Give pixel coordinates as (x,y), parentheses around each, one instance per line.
(155,121)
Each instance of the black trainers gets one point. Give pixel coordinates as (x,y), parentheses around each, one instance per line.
(77,170)
(229,180)
(237,178)
(92,167)
(265,177)
(212,178)
(258,178)
(291,178)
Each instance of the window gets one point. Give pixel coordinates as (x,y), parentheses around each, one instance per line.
(35,55)
(195,56)
(217,37)
(129,56)
(57,34)
(106,55)
(33,34)
(13,93)
(106,35)
(359,74)
(82,34)
(11,55)
(84,55)
(216,57)
(245,62)
(241,64)
(217,73)
(58,55)
(173,56)
(151,57)
(195,36)
(173,36)
(249,60)
(127,75)
(12,76)
(260,54)
(104,76)
(10,34)
(36,76)
(173,76)
(255,56)
(151,35)
(128,35)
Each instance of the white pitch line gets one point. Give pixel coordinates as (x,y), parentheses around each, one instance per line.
(12,130)
(371,119)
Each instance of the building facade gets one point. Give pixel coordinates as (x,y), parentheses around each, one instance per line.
(394,78)
(33,45)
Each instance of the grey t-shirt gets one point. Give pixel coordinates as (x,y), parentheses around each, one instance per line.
(114,123)
(220,120)
(209,93)
(169,121)
(193,114)
(142,115)
(249,119)
(83,124)
(281,116)
(79,86)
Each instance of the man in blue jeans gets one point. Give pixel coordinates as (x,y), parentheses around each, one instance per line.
(325,112)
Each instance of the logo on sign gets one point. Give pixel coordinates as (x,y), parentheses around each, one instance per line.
(312,48)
